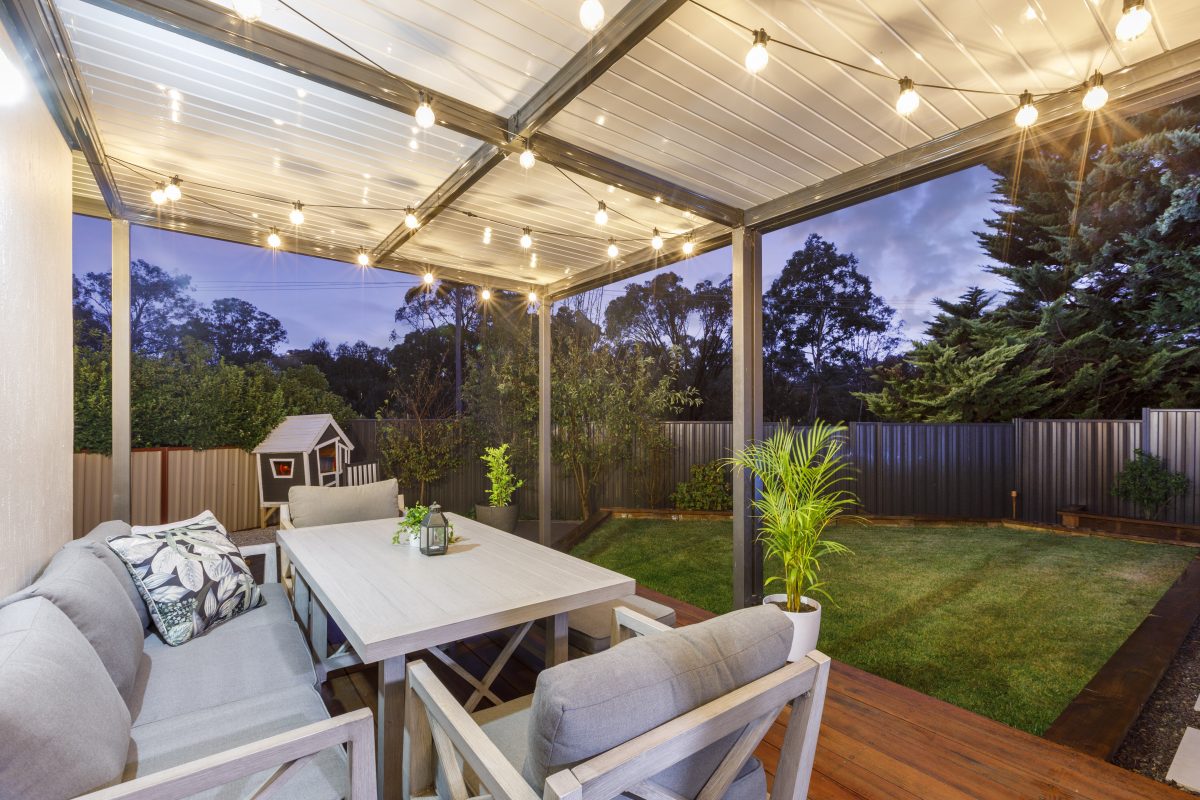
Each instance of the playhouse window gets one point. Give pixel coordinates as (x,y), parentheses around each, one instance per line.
(282,467)
(327,459)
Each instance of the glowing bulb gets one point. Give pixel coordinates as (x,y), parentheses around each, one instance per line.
(656,240)
(172,190)
(297,214)
(612,249)
(1096,95)
(159,195)
(486,295)
(248,10)
(12,85)
(1135,20)
(757,57)
(1027,114)
(689,246)
(410,219)
(424,115)
(528,159)
(428,278)
(273,240)
(526,238)
(591,15)
(909,100)
(487,235)
(602,214)
(363,258)
(533,297)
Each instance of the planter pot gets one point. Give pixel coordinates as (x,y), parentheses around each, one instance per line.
(502,517)
(807,625)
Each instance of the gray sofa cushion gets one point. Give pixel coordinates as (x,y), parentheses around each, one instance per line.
(85,590)
(587,706)
(240,664)
(590,629)
(64,729)
(179,739)
(97,542)
(328,505)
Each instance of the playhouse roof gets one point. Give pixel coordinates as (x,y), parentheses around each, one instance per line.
(299,434)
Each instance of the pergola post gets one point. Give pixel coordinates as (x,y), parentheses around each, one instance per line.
(121,356)
(747,408)
(545,466)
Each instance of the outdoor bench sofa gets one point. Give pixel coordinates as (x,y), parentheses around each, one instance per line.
(91,700)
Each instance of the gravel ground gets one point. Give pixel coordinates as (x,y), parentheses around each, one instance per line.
(1155,736)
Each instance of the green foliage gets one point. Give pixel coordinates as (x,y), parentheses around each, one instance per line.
(419,452)
(800,497)
(1149,484)
(500,476)
(706,489)
(409,526)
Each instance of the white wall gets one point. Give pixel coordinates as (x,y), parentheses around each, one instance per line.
(36,421)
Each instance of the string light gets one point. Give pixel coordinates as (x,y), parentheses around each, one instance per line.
(1135,20)
(273,240)
(909,100)
(428,279)
(410,219)
(757,57)
(1096,95)
(532,296)
(159,195)
(689,246)
(656,241)
(526,238)
(297,214)
(528,159)
(173,191)
(591,15)
(612,248)
(248,10)
(486,295)
(363,259)
(1027,114)
(424,115)
(487,235)
(602,214)
(12,85)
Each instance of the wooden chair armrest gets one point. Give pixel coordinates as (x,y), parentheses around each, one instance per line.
(270,556)
(626,619)
(285,518)
(286,751)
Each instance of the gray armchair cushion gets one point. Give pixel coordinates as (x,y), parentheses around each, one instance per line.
(85,590)
(587,706)
(97,543)
(328,505)
(64,729)
(590,629)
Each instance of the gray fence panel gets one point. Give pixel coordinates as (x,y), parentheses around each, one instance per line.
(1072,462)
(1174,436)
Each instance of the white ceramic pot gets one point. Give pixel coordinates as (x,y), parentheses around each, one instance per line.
(807,625)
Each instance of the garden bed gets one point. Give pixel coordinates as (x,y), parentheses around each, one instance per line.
(1130,526)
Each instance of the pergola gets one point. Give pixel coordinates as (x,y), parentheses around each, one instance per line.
(654,115)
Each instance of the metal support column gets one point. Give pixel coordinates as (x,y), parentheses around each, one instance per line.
(545,466)
(121,436)
(747,408)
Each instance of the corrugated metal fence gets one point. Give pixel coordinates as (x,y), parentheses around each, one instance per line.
(1175,436)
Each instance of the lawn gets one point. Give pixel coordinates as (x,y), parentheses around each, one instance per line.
(1009,624)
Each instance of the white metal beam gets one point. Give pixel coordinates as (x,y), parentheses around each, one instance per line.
(121,357)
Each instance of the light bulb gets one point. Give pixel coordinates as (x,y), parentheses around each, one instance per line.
(487,235)
(159,195)
(297,214)
(363,258)
(1096,95)
(689,246)
(612,249)
(602,214)
(533,297)
(486,295)
(1135,20)
(1027,114)
(656,240)
(528,159)
(424,114)
(172,191)
(248,10)
(526,238)
(591,15)
(909,100)
(428,278)
(757,57)
(12,84)
(410,219)
(273,240)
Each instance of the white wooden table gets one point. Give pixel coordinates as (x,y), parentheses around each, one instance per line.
(390,601)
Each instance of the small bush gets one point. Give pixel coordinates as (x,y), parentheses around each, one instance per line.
(706,489)
(1149,484)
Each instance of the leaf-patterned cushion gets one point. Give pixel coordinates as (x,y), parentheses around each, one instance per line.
(191,575)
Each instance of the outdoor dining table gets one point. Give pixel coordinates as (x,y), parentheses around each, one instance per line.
(390,600)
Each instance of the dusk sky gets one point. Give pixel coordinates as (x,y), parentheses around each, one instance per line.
(915,245)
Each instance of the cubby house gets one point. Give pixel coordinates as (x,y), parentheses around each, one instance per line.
(303,450)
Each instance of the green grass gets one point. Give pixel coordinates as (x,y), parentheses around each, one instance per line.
(1009,624)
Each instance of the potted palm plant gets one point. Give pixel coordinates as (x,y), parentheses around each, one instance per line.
(500,512)
(800,496)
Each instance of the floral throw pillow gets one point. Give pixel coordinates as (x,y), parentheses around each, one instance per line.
(191,575)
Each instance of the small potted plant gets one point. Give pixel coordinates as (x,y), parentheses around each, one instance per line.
(500,512)
(800,497)
(409,528)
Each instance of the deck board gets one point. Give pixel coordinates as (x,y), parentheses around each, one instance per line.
(879,740)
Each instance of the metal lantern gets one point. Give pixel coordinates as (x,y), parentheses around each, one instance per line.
(435,532)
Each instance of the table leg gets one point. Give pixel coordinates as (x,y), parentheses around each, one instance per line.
(556,639)
(389,729)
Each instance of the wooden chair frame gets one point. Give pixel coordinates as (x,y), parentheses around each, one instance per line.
(438,731)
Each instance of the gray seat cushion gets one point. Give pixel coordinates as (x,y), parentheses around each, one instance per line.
(587,706)
(64,729)
(277,610)
(590,629)
(176,740)
(85,590)
(97,542)
(225,667)
(328,505)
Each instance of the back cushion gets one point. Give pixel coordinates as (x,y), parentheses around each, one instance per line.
(97,542)
(85,590)
(64,730)
(328,505)
(584,707)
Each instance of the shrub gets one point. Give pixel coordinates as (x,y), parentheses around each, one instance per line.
(500,475)
(706,489)
(1149,484)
